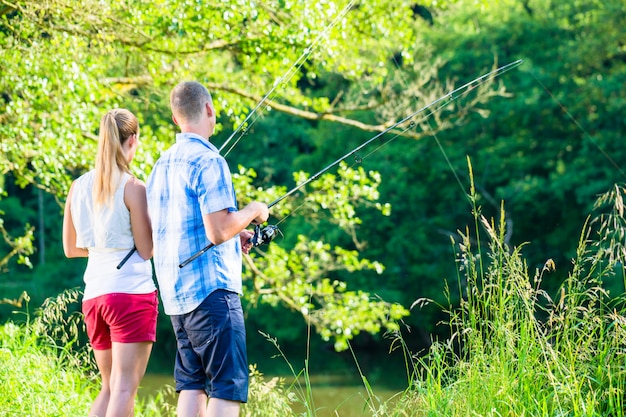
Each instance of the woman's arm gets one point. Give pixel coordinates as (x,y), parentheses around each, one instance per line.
(137,203)
(69,232)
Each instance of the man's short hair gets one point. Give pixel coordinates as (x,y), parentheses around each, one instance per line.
(187,100)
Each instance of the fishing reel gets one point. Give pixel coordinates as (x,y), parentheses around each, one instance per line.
(264,235)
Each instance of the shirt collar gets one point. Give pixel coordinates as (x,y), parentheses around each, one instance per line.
(194,136)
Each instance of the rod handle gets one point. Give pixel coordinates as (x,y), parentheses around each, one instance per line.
(195,255)
(126,258)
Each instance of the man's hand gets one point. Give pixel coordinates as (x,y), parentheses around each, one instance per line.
(245,237)
(262,212)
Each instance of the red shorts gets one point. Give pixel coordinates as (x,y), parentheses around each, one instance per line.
(121,318)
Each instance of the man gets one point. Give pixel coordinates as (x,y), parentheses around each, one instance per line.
(192,204)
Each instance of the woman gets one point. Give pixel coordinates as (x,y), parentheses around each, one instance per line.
(105,217)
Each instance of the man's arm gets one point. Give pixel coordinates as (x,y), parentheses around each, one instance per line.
(223,225)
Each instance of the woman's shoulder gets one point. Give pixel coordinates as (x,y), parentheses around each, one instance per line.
(134,190)
(134,182)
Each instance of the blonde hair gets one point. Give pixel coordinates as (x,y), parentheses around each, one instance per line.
(116,127)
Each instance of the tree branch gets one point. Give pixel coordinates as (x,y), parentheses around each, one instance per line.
(308,115)
(404,130)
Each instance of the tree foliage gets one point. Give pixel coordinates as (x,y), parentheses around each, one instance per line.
(299,84)
(67,61)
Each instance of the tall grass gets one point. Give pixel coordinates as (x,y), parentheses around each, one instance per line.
(41,372)
(46,369)
(514,350)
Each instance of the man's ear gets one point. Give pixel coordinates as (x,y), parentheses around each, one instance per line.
(174,120)
(209,109)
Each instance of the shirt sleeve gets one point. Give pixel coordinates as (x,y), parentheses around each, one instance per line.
(214,187)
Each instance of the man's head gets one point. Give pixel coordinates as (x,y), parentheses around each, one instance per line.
(192,108)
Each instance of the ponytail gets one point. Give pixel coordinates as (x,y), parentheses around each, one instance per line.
(116,127)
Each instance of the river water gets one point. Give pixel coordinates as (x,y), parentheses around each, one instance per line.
(337,385)
(333,395)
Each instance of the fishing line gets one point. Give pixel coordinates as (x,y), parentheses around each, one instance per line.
(358,159)
(433,131)
(475,82)
(244,127)
(582,129)
(291,213)
(412,124)
(426,118)
(445,155)
(448,96)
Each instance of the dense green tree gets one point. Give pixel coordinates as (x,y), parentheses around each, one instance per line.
(299,84)
(67,61)
(547,151)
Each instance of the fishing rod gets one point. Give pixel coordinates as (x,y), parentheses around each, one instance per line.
(395,125)
(261,236)
(243,128)
(268,233)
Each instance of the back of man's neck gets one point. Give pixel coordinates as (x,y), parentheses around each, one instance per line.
(194,130)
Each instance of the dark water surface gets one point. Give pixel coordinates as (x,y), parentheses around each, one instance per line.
(337,384)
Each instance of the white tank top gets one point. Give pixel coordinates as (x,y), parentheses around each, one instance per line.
(107,235)
(106,227)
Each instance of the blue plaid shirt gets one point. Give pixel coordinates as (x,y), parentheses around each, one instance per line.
(191,179)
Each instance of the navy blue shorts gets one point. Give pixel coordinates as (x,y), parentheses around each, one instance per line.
(211,354)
